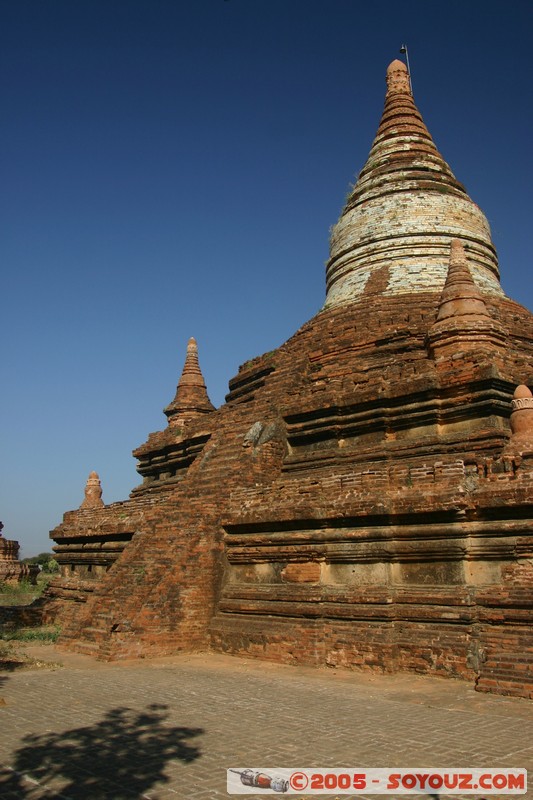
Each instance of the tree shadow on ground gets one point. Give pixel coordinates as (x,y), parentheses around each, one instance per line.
(7,665)
(121,756)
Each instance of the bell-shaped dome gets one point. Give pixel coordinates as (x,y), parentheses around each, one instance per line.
(404,211)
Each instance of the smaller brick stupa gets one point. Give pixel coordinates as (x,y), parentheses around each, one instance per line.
(11,569)
(166,453)
(93,492)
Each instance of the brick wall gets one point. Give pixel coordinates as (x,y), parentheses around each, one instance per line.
(347,508)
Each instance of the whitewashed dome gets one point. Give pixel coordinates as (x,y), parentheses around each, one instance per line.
(404,211)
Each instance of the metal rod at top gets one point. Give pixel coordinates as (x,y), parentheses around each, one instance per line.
(403,49)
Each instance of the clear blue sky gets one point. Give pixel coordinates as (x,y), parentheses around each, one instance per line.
(171,169)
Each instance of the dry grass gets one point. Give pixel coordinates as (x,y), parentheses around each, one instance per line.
(23,593)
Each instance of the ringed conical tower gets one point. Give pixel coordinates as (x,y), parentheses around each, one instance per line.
(363,498)
(403,212)
(191,398)
(166,454)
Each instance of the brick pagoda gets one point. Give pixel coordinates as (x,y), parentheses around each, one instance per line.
(364,497)
(12,571)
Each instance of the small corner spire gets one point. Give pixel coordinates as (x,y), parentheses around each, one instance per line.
(460,296)
(522,413)
(521,441)
(191,397)
(463,320)
(93,492)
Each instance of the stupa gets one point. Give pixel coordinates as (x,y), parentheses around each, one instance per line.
(364,498)
(12,571)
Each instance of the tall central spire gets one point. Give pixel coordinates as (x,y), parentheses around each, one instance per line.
(403,155)
(403,212)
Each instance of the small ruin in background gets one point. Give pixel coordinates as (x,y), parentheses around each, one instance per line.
(12,571)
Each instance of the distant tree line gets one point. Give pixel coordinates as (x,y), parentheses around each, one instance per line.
(46,561)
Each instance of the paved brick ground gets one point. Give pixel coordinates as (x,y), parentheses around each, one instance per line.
(171,727)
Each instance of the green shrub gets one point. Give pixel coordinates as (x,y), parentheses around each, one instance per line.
(24,587)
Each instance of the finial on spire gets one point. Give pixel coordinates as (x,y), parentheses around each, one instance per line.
(191,375)
(457,253)
(398,78)
(521,441)
(93,492)
(405,51)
